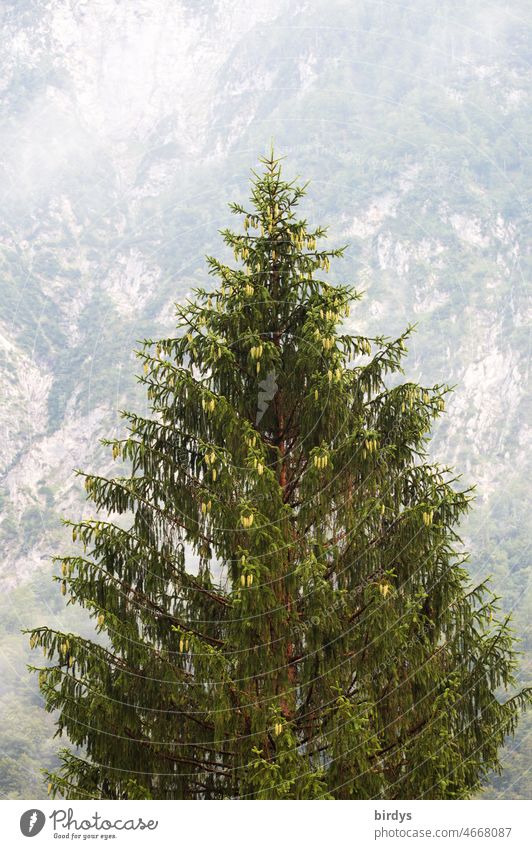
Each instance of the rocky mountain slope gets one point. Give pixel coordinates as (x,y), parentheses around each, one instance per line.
(128,125)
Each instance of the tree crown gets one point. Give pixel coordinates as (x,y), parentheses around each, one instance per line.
(327,644)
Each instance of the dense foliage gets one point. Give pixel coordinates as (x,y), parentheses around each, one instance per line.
(328,644)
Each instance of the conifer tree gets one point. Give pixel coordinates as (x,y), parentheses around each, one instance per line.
(277,581)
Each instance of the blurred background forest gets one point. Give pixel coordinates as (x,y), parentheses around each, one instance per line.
(126,128)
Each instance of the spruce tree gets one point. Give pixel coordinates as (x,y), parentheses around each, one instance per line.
(277,581)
